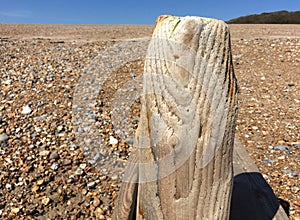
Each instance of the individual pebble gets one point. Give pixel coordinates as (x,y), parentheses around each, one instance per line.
(98,156)
(73,147)
(15,210)
(66,162)
(78,172)
(295,189)
(26,110)
(40,182)
(82,166)
(268,161)
(114,177)
(283,148)
(60,128)
(54,155)
(132,75)
(3,137)
(45,200)
(38,129)
(91,185)
(35,188)
(96,202)
(6,82)
(102,217)
(54,166)
(84,192)
(44,153)
(99,211)
(113,140)
(291,173)
(8,186)
(33,212)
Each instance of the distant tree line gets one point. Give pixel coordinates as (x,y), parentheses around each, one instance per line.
(279,17)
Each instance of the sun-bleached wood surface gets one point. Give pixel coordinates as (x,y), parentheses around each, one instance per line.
(185,136)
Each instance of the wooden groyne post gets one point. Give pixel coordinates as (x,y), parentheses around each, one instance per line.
(182,167)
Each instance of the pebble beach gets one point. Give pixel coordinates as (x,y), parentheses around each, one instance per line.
(44,171)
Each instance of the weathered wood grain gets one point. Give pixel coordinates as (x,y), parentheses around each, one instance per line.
(187,124)
(126,204)
(185,136)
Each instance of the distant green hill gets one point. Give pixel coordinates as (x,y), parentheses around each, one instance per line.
(278,17)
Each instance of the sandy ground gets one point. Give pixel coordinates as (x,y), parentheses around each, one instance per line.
(44,174)
(108,32)
(75,32)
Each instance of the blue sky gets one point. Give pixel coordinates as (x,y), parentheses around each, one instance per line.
(131,11)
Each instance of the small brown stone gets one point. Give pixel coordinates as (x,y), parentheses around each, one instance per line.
(15,210)
(45,200)
(96,202)
(35,188)
(40,182)
(54,155)
(99,211)
(44,153)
